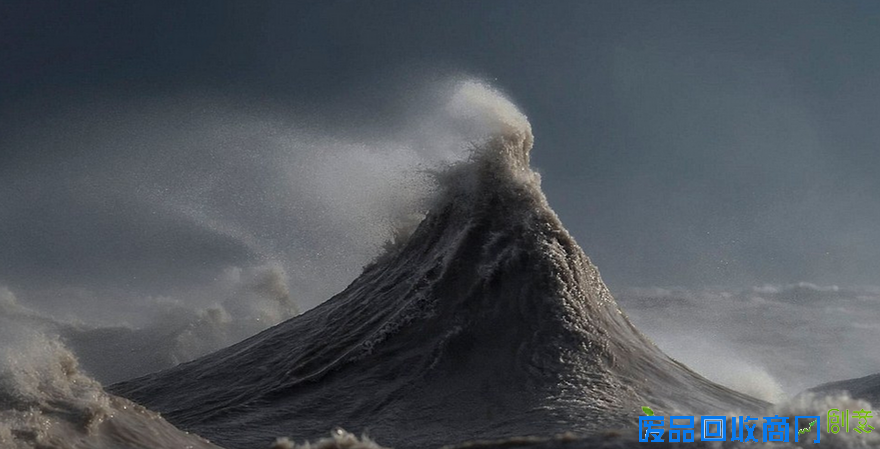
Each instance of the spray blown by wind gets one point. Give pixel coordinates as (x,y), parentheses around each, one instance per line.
(487,322)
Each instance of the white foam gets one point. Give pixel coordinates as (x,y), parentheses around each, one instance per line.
(339,439)
(46,401)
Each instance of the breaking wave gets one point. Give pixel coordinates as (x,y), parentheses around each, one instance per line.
(47,402)
(488,322)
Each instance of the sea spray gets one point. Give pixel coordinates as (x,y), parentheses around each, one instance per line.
(47,402)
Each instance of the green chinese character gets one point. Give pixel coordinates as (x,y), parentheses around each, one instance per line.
(862,417)
(834,420)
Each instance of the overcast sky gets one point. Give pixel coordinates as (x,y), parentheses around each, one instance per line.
(687,143)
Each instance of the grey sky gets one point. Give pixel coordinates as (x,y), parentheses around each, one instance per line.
(682,142)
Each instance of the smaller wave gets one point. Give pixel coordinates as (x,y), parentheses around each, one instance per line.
(47,402)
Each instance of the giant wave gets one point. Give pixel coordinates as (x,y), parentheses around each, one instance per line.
(487,322)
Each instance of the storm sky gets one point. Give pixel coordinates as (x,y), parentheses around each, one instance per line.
(683,143)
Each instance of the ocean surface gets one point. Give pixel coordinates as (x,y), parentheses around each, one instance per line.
(481,324)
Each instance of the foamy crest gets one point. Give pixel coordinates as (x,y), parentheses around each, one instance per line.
(42,393)
(501,126)
(46,401)
(34,369)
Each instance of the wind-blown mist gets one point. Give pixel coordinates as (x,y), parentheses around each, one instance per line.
(160,230)
(769,341)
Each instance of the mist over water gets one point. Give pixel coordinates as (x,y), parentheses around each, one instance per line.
(770,341)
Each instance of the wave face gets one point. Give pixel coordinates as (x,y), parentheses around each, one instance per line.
(489,321)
